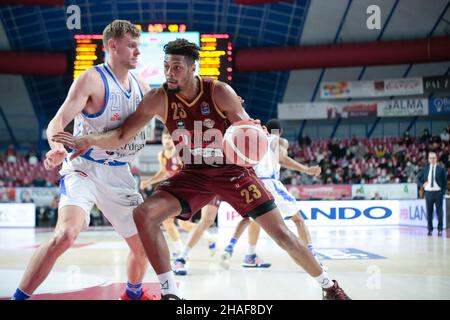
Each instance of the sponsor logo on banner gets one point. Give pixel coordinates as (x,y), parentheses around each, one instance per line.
(331,213)
(340,89)
(369,89)
(324,110)
(439,105)
(436,84)
(352,110)
(403,86)
(414,213)
(321,192)
(403,108)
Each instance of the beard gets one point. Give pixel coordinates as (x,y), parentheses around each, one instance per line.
(175,90)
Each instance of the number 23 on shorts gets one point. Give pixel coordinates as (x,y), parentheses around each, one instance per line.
(250,193)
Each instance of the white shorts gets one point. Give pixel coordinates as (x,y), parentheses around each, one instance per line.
(112,188)
(284,200)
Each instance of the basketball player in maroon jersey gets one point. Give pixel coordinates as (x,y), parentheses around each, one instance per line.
(189,104)
(169,165)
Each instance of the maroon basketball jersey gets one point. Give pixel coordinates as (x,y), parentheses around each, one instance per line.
(197,126)
(172,165)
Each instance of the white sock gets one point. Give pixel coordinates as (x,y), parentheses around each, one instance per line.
(251,249)
(168,283)
(178,246)
(186,252)
(208,236)
(324,280)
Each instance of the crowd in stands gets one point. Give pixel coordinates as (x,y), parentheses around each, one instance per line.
(374,160)
(25,169)
(343,161)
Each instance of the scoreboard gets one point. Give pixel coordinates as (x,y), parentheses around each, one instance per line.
(216,56)
(216,52)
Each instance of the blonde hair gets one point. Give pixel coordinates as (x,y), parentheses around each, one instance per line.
(117,29)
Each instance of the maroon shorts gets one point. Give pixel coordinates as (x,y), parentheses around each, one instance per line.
(240,187)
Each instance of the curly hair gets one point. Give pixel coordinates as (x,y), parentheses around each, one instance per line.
(184,48)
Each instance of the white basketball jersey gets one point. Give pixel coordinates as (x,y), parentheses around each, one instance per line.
(269,166)
(119,104)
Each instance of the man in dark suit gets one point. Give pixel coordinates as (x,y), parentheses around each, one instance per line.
(434,180)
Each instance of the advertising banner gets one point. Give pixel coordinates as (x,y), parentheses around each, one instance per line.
(436,84)
(295,111)
(325,110)
(320,192)
(39,196)
(330,213)
(403,108)
(401,87)
(388,191)
(371,89)
(17,215)
(439,105)
(414,213)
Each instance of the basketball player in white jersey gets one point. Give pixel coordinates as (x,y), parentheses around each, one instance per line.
(268,170)
(100,99)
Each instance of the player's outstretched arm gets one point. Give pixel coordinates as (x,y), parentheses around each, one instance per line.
(76,99)
(151,105)
(289,163)
(161,175)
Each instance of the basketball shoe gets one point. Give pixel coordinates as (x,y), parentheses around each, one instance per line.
(334,293)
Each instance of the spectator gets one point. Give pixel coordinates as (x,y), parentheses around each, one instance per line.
(307,140)
(445,134)
(379,151)
(51,211)
(39,182)
(376,196)
(25,197)
(32,158)
(11,154)
(426,136)
(399,152)
(407,138)
(359,195)
(4,198)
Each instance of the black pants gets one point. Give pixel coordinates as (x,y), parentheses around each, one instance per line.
(432,198)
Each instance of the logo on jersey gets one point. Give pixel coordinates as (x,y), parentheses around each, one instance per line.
(109,153)
(116,117)
(204,108)
(180,124)
(81,173)
(209,123)
(138,99)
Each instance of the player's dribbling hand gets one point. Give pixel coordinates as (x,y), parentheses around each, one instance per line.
(54,158)
(313,171)
(80,144)
(258,123)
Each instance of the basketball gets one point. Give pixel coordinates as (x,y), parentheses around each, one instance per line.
(244,143)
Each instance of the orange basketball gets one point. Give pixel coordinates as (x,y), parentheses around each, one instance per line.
(244,143)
